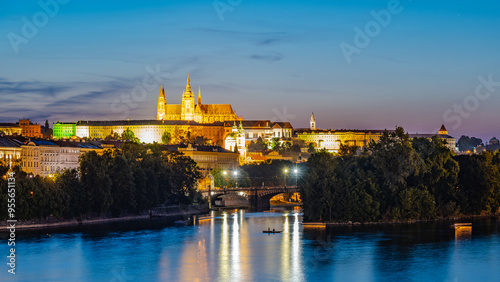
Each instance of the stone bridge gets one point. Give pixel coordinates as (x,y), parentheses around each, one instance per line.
(259,197)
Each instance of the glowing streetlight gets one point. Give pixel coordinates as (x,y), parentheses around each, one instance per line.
(296,171)
(225,181)
(235,173)
(286,171)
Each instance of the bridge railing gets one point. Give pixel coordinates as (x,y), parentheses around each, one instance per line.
(260,188)
(242,189)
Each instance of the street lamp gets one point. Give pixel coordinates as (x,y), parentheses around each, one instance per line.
(225,181)
(286,171)
(235,173)
(296,171)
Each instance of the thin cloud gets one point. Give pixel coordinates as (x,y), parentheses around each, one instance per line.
(267,58)
(73,100)
(34,89)
(258,38)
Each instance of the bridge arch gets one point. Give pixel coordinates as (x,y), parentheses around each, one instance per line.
(259,197)
(261,200)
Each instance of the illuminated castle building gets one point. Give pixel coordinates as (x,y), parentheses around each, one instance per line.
(149,131)
(331,139)
(189,111)
(235,141)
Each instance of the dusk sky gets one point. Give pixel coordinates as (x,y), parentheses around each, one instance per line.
(279,60)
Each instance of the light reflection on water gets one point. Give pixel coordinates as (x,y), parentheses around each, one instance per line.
(230,246)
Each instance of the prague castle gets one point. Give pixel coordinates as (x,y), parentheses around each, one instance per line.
(218,124)
(189,111)
(331,139)
(176,124)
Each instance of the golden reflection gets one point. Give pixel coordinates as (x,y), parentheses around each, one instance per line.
(212,238)
(285,252)
(235,250)
(313,225)
(297,273)
(194,266)
(202,261)
(245,249)
(463,230)
(224,250)
(242,212)
(286,227)
(203,221)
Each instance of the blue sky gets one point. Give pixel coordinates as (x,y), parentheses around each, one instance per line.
(277,60)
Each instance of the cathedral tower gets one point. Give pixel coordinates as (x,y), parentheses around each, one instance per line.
(199,95)
(312,123)
(162,105)
(187,111)
(443,130)
(192,110)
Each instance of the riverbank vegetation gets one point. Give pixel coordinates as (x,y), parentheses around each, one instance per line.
(399,178)
(130,180)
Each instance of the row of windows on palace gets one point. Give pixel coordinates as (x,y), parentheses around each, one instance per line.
(45,160)
(32,167)
(43,156)
(212,159)
(32,152)
(100,134)
(96,131)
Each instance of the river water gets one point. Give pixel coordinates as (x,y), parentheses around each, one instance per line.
(230,246)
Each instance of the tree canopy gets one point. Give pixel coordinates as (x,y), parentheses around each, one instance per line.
(399,178)
(466,143)
(130,180)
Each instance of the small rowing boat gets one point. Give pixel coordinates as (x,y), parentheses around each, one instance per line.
(271,231)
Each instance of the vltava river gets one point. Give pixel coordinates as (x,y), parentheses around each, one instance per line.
(231,247)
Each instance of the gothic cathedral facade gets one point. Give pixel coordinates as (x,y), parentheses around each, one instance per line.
(189,110)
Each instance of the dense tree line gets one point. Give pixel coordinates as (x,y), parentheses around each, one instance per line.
(127,135)
(276,145)
(254,175)
(229,179)
(399,178)
(130,180)
(466,143)
(272,173)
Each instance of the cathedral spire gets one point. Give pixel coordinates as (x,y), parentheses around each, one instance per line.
(199,95)
(240,129)
(163,93)
(162,102)
(312,122)
(188,85)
